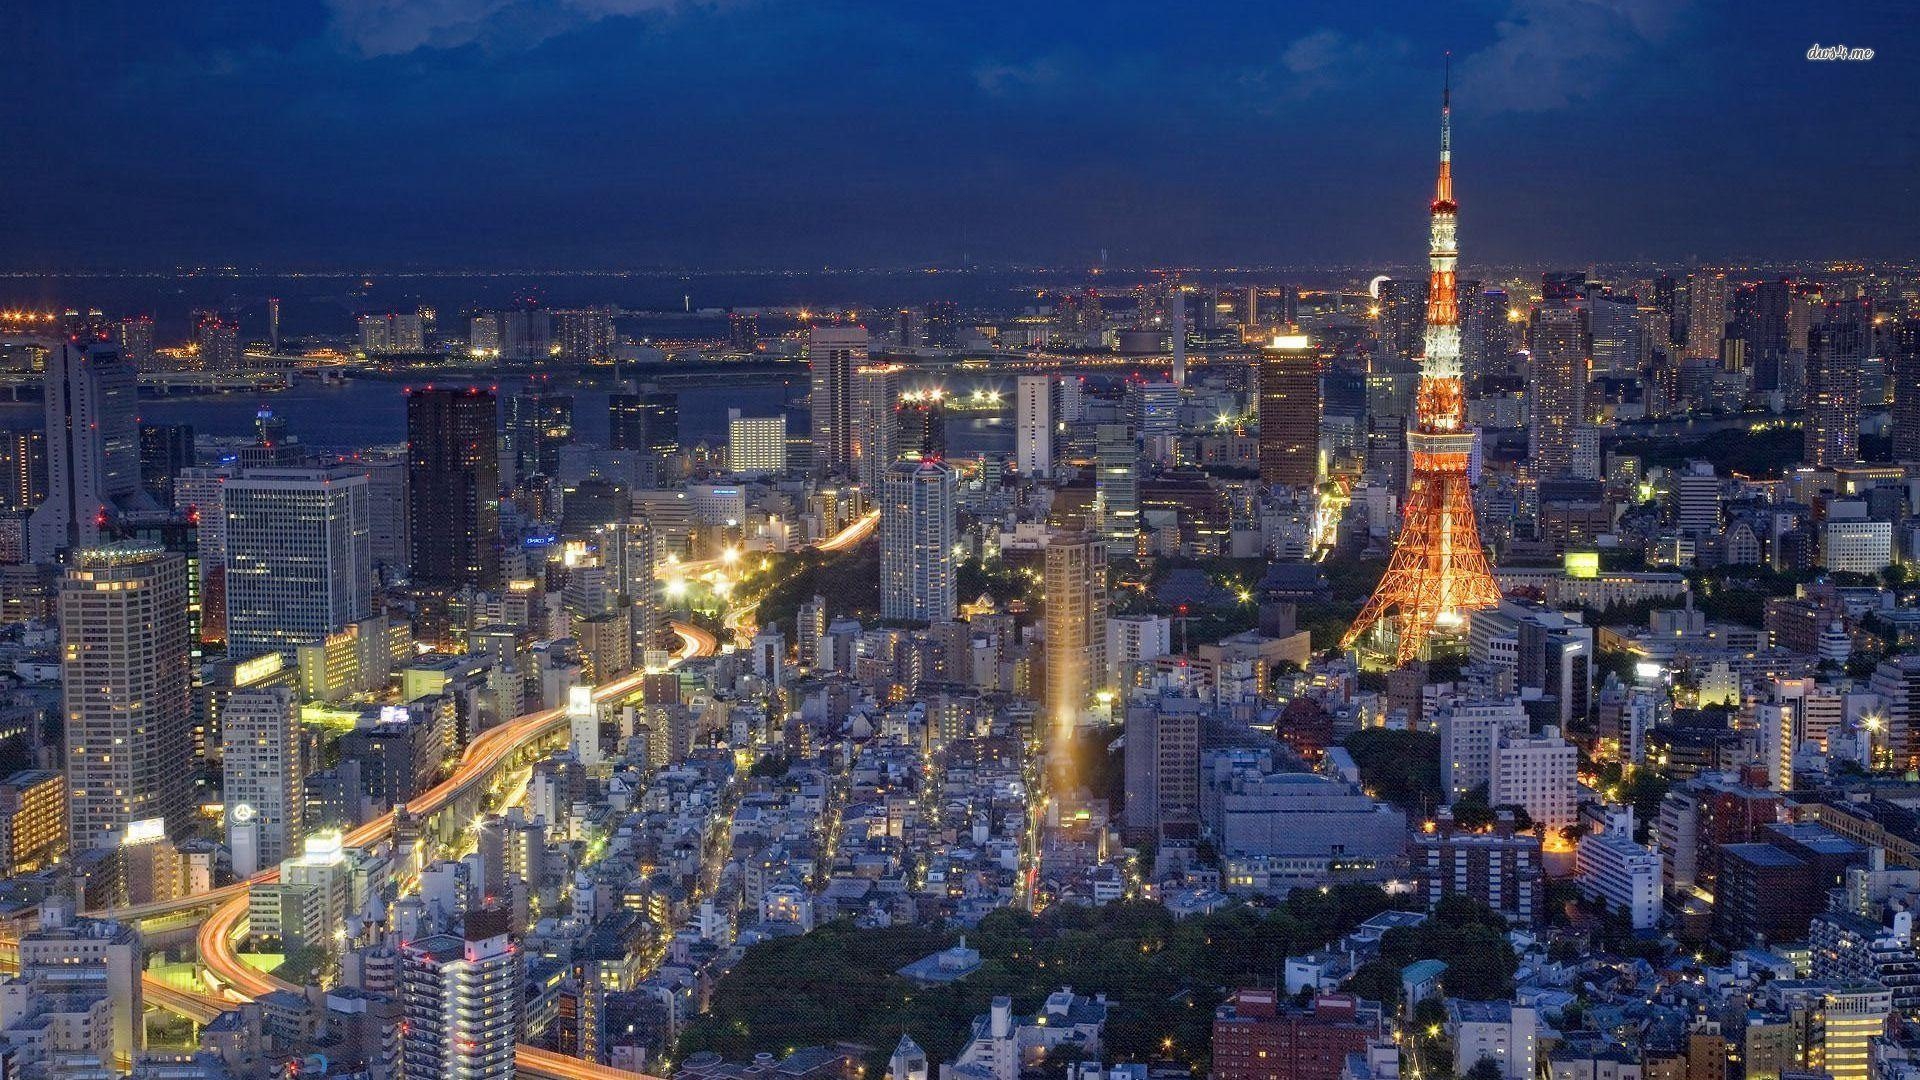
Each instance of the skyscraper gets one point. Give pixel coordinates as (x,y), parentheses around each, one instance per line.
(1616,330)
(942,324)
(273,324)
(743,331)
(299,556)
(453,487)
(1290,412)
(1117,488)
(917,533)
(833,352)
(1035,405)
(124,690)
(23,456)
(1906,391)
(756,444)
(1560,348)
(462,1000)
(1075,580)
(585,336)
(875,432)
(1153,408)
(1706,314)
(1835,353)
(538,425)
(134,335)
(264,776)
(219,341)
(93,448)
(165,449)
(1672,321)
(648,421)
(1439,568)
(1402,305)
(923,422)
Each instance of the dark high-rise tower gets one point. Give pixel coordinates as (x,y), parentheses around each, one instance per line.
(648,421)
(453,487)
(1835,353)
(833,352)
(538,425)
(1290,412)
(165,449)
(1906,391)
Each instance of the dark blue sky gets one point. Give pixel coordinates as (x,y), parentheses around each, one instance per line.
(743,133)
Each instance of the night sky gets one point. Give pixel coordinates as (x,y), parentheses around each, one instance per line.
(889,133)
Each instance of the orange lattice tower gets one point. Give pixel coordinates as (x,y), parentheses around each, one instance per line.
(1439,570)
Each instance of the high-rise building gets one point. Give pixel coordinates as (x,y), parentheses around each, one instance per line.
(917,534)
(1116,486)
(299,557)
(923,422)
(273,324)
(1036,405)
(125,692)
(1906,391)
(743,331)
(1439,569)
(463,1001)
(647,421)
(453,487)
(538,425)
(942,324)
(1075,580)
(1402,307)
(1616,333)
(1835,354)
(756,444)
(219,341)
(264,771)
(875,435)
(1162,771)
(33,821)
(196,498)
(483,336)
(833,352)
(165,449)
(1561,349)
(585,336)
(134,335)
(526,333)
(93,448)
(1706,314)
(23,457)
(1290,412)
(1671,323)
(386,514)
(1153,408)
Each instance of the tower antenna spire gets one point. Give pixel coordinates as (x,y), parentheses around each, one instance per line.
(1446,108)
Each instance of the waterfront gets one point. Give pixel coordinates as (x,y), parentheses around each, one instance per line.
(370,412)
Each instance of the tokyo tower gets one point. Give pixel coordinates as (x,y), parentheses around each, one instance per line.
(1439,570)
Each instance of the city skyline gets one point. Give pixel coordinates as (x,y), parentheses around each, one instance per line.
(766,135)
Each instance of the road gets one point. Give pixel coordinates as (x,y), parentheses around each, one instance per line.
(241,981)
(852,535)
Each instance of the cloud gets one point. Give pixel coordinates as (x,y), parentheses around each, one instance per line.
(1320,61)
(999,77)
(1549,54)
(397,27)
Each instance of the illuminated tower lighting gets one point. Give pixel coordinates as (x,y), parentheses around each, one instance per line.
(1439,570)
